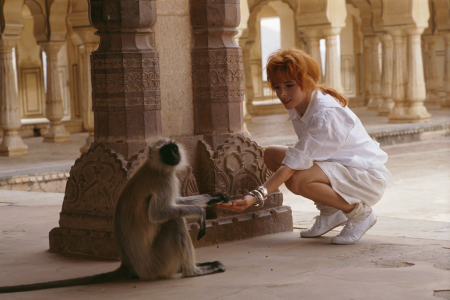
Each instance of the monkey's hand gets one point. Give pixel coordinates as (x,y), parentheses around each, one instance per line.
(202,222)
(218,198)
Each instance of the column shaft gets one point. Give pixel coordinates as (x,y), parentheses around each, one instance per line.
(375,82)
(386,76)
(54,110)
(332,61)
(10,118)
(446,101)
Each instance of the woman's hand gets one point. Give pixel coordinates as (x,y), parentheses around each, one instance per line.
(239,205)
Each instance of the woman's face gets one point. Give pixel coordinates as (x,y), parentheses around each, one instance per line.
(291,95)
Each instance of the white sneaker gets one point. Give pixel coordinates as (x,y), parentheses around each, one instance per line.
(353,231)
(324,224)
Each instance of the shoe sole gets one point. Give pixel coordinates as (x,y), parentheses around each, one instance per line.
(344,243)
(314,236)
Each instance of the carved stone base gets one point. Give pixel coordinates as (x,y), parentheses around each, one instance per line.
(56,133)
(12,145)
(415,113)
(221,230)
(222,163)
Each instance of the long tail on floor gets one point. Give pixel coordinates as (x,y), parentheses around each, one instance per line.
(116,275)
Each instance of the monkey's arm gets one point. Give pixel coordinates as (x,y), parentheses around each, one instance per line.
(161,210)
(203,200)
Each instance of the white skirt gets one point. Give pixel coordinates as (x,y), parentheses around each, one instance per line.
(353,184)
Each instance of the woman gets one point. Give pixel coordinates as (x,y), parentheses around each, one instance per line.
(335,163)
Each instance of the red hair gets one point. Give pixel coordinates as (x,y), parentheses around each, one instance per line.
(294,64)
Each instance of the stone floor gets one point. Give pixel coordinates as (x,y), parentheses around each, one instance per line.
(406,255)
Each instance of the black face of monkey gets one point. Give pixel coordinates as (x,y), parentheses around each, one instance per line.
(170,154)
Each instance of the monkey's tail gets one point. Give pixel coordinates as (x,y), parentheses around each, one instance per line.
(116,275)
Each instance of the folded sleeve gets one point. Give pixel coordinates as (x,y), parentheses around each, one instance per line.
(325,133)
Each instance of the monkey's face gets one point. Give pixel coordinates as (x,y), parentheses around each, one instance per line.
(170,154)
(166,156)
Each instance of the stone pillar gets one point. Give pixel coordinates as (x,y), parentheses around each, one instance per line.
(431,76)
(386,76)
(398,79)
(313,43)
(217,67)
(54,110)
(125,75)
(367,72)
(415,88)
(375,78)
(10,118)
(86,107)
(446,101)
(411,108)
(332,60)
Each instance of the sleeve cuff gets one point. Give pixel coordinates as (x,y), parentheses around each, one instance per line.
(297,160)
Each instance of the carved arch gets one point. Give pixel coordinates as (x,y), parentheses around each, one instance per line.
(11,22)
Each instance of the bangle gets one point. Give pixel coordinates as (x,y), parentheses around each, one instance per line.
(260,194)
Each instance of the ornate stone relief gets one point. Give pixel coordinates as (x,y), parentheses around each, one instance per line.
(95,182)
(234,168)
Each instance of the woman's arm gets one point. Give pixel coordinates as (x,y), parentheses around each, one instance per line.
(278,178)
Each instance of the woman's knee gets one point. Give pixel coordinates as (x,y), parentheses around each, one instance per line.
(298,183)
(273,156)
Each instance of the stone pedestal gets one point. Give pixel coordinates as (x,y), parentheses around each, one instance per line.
(11,143)
(54,110)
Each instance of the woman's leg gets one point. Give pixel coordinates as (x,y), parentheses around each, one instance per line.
(311,183)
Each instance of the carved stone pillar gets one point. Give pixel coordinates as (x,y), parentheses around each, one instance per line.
(54,110)
(375,78)
(446,101)
(86,108)
(398,79)
(217,67)
(313,42)
(386,76)
(367,72)
(410,109)
(415,88)
(11,143)
(126,97)
(332,60)
(431,76)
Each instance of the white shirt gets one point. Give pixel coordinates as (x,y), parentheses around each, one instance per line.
(329,132)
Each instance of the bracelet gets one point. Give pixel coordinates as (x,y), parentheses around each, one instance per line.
(260,193)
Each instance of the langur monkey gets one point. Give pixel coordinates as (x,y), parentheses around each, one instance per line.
(149,227)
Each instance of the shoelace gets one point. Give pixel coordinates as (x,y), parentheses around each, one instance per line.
(317,223)
(348,226)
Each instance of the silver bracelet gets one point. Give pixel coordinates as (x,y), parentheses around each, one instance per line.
(260,194)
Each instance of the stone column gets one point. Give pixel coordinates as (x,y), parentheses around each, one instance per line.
(86,107)
(415,88)
(125,75)
(386,76)
(313,42)
(332,60)
(411,108)
(216,67)
(431,76)
(54,110)
(446,101)
(375,78)
(10,118)
(367,72)
(398,80)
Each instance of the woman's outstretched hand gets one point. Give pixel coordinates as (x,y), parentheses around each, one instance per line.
(239,205)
